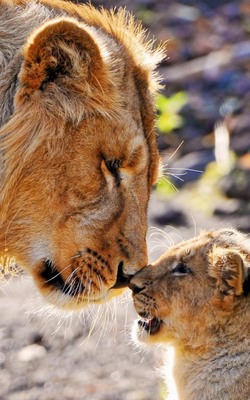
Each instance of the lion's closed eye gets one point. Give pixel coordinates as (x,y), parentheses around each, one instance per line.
(114,168)
(111,172)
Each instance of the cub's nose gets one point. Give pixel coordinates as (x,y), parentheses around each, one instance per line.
(135,285)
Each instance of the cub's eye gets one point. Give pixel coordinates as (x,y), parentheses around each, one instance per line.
(180,270)
(113,167)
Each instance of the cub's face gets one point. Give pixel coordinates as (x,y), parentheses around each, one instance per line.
(193,289)
(81,157)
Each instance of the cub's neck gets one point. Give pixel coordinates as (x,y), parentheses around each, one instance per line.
(220,373)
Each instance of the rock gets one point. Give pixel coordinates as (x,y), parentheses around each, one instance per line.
(19,384)
(237,184)
(229,208)
(32,352)
(2,359)
(170,216)
(36,338)
(240,143)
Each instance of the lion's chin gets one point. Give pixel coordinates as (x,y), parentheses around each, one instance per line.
(75,303)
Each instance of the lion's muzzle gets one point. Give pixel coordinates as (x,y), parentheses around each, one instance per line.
(87,278)
(52,277)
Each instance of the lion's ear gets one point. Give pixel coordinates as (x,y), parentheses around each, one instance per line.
(227,268)
(64,64)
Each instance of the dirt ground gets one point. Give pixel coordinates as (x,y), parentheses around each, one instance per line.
(74,357)
(45,355)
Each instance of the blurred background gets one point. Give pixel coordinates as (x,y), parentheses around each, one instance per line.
(204,140)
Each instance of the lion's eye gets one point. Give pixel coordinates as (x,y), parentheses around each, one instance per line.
(180,270)
(113,167)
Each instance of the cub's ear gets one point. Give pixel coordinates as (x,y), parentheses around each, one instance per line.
(65,62)
(227,268)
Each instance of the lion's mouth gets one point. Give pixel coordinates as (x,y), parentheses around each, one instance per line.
(150,325)
(73,285)
(52,277)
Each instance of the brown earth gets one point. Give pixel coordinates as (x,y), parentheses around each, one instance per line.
(45,355)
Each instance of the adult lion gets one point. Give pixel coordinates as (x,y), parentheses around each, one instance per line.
(78,146)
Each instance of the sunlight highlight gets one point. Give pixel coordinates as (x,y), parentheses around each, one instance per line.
(171,386)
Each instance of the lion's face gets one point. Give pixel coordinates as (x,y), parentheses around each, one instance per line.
(193,290)
(88,212)
(80,169)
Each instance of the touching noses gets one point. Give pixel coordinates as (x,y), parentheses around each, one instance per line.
(122,280)
(136,285)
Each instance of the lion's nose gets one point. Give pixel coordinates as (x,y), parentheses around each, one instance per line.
(122,280)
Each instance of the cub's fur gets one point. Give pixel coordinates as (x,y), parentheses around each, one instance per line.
(196,297)
(78,151)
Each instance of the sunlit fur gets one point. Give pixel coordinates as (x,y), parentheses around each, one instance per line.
(204,313)
(77,91)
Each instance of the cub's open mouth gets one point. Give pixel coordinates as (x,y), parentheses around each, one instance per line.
(150,325)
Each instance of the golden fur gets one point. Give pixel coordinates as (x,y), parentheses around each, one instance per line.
(196,297)
(77,146)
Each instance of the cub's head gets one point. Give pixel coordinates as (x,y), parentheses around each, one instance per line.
(80,157)
(194,290)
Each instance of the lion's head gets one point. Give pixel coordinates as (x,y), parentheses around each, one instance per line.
(79,153)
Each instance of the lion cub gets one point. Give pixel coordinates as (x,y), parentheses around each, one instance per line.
(196,297)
